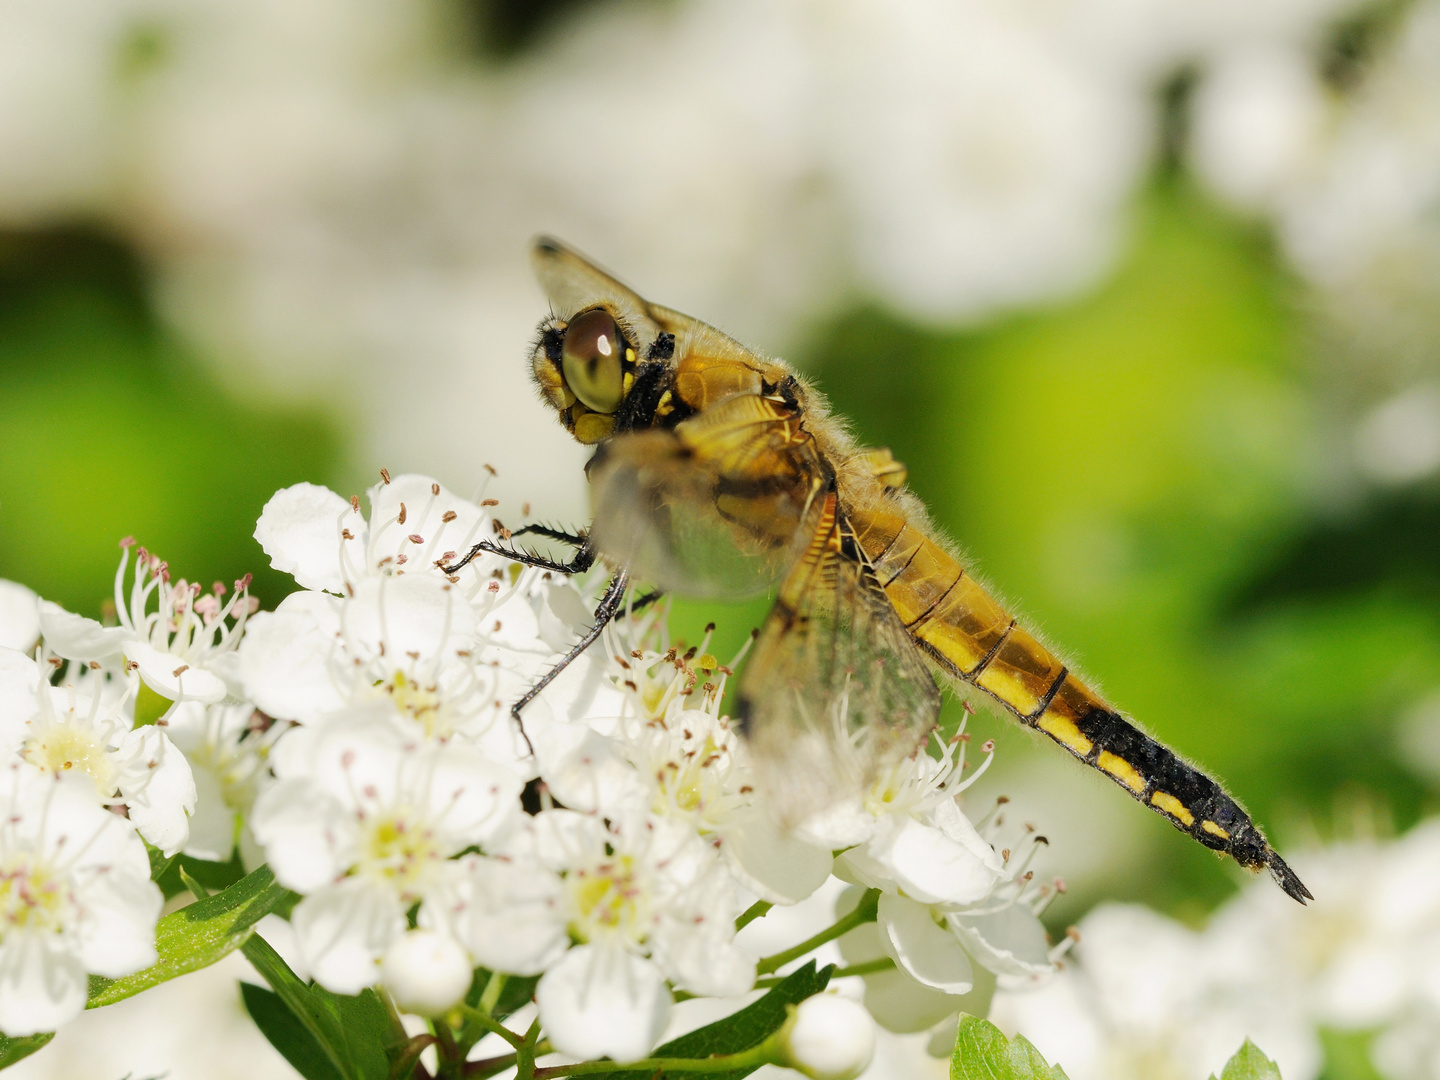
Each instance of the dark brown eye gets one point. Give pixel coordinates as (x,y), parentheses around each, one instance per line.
(590,360)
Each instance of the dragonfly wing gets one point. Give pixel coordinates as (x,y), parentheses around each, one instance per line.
(835,689)
(711,507)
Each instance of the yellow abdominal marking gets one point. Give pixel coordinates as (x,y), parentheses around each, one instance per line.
(1214,830)
(1174,807)
(1065,732)
(1122,770)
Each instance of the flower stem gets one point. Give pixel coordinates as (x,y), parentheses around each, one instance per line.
(494,987)
(764,1054)
(870,967)
(753,912)
(491,1025)
(865,911)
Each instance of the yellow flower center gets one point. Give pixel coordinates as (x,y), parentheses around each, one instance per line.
(31,897)
(608,900)
(421,702)
(56,747)
(400,850)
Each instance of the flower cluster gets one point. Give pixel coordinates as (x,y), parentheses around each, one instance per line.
(359,740)
(1148,996)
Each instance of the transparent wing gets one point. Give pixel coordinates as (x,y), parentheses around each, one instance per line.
(835,689)
(573,283)
(710,508)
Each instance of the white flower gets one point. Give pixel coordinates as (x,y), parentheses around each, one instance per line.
(326,544)
(182,650)
(83,727)
(228,747)
(364,821)
(75,898)
(645,899)
(829,1038)
(426,972)
(19,617)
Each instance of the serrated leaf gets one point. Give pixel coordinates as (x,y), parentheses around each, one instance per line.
(287,1034)
(13,1050)
(197,936)
(351,1032)
(983,1053)
(741,1030)
(1249,1064)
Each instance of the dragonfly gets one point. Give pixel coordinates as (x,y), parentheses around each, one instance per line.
(719,473)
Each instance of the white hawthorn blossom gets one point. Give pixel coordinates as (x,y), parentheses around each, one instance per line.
(183,650)
(84,727)
(75,897)
(364,822)
(642,898)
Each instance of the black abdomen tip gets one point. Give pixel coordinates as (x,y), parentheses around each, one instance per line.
(1287,878)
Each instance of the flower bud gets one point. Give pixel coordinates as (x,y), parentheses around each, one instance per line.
(828,1038)
(425,972)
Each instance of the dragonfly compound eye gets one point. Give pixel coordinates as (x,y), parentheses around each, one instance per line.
(591,360)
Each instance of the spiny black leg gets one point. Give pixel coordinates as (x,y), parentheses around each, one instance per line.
(611,601)
(583,560)
(576,540)
(645,601)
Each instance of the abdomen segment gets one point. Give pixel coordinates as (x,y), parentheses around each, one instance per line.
(973,638)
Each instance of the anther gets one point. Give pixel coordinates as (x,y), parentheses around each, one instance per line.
(434,489)
(416,538)
(385,475)
(448,516)
(489,502)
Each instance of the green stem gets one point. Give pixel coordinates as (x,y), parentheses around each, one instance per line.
(494,987)
(764,1054)
(753,912)
(484,1020)
(526,1053)
(870,967)
(865,911)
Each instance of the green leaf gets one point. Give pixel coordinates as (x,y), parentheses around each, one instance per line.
(983,1053)
(1249,1064)
(13,1050)
(287,1034)
(741,1030)
(197,936)
(159,862)
(351,1033)
(215,876)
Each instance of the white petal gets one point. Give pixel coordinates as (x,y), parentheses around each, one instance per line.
(19,617)
(585,770)
(772,862)
(407,619)
(925,864)
(116,934)
(78,831)
(509,915)
(600,1001)
(41,986)
(426,972)
(425,514)
(286,657)
(19,681)
(928,953)
(902,1005)
(156,783)
(702,959)
(472,799)
(77,638)
(300,529)
(842,824)
(173,678)
(212,825)
(308,838)
(344,930)
(1010,941)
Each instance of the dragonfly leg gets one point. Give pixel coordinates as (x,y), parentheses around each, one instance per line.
(583,559)
(611,602)
(575,540)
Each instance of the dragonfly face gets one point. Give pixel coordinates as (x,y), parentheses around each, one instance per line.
(718,472)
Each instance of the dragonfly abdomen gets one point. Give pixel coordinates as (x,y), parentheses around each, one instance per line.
(975,639)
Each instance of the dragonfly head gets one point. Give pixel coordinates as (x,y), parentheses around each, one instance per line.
(585,366)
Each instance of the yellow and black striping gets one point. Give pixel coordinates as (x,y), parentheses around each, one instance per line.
(969,635)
